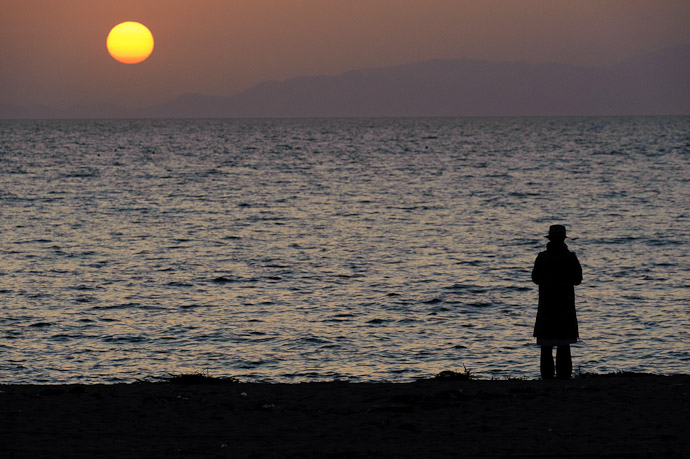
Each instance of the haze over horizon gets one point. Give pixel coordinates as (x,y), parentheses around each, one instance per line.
(54,54)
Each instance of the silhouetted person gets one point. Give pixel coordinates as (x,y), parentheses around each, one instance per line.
(556,270)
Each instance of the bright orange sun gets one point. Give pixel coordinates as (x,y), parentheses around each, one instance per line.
(130,42)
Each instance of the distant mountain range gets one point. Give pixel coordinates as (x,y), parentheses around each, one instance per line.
(654,84)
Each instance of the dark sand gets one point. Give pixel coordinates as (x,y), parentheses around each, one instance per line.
(599,416)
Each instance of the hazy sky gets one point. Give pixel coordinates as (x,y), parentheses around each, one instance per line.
(53,52)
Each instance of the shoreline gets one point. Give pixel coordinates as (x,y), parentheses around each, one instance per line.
(617,415)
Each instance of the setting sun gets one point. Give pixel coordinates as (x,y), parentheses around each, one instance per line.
(130,42)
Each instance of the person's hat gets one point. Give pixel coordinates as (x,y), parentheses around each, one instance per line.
(557,232)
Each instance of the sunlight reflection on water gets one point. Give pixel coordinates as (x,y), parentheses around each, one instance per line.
(291,250)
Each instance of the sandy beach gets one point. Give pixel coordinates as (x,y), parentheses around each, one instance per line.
(597,416)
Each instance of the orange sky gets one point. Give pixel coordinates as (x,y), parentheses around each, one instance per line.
(53,52)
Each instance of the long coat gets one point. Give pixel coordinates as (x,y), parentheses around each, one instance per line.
(556,270)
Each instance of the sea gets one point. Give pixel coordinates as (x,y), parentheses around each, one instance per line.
(363,250)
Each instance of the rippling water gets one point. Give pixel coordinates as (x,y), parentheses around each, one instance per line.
(292,250)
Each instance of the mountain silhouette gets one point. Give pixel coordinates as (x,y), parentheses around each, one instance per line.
(653,84)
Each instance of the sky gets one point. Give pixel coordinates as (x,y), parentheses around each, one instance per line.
(52,52)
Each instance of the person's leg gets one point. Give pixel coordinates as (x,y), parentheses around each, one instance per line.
(564,362)
(546,362)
